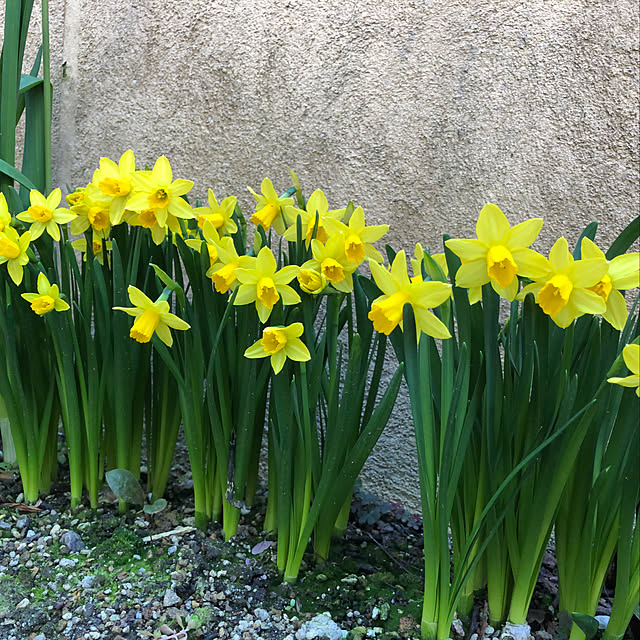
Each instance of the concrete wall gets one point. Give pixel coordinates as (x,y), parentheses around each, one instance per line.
(419,111)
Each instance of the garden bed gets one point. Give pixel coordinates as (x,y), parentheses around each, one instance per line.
(97,574)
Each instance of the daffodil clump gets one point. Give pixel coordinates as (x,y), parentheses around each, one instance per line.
(139,309)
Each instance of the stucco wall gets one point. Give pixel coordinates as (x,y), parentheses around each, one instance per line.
(419,111)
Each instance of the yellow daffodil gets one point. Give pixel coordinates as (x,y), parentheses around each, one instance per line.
(92,211)
(358,237)
(47,299)
(631,355)
(5,216)
(269,207)
(312,281)
(264,285)
(280,343)
(563,289)
(317,212)
(151,317)
(114,182)
(623,273)
(223,272)
(156,200)
(96,244)
(387,310)
(44,214)
(499,254)
(220,215)
(212,239)
(13,251)
(75,197)
(330,260)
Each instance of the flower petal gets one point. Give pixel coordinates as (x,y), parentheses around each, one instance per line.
(162,174)
(523,234)
(492,224)
(138,298)
(163,332)
(588,301)
(624,271)
(296,350)
(616,313)
(472,274)
(468,250)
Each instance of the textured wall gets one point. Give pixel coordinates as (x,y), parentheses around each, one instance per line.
(419,111)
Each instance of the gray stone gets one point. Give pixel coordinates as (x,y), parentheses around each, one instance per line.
(72,540)
(321,626)
(171,598)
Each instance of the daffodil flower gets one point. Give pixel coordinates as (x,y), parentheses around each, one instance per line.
(47,299)
(563,289)
(81,245)
(623,273)
(631,355)
(152,317)
(75,197)
(157,200)
(92,211)
(317,210)
(5,216)
(264,285)
(269,207)
(312,281)
(330,260)
(115,184)
(13,251)
(499,254)
(280,343)
(358,237)
(387,310)
(212,239)
(44,214)
(223,272)
(220,215)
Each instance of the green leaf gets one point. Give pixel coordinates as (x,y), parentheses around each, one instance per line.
(171,284)
(17,175)
(588,624)
(125,485)
(628,236)
(155,507)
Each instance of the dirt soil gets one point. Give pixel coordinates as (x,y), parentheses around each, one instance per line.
(98,574)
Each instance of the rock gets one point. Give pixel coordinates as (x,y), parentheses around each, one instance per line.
(516,632)
(55,530)
(603,621)
(40,636)
(171,598)
(72,540)
(262,615)
(321,626)
(87,582)
(458,629)
(67,563)
(23,604)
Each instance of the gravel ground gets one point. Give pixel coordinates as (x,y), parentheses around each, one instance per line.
(97,574)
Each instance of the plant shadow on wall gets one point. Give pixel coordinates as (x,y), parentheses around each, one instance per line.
(130,312)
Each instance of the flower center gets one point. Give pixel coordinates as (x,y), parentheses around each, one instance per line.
(311,281)
(148,218)
(273,340)
(75,198)
(43,304)
(266,215)
(223,278)
(9,249)
(159,199)
(354,248)
(603,288)
(332,270)
(114,187)
(99,218)
(386,315)
(145,325)
(267,293)
(555,294)
(40,213)
(501,266)
(97,247)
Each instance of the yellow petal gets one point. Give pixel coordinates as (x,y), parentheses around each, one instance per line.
(162,174)
(624,271)
(631,355)
(138,298)
(616,312)
(468,250)
(492,224)
(523,234)
(559,256)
